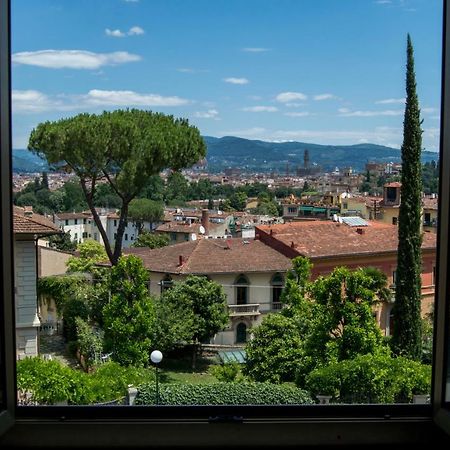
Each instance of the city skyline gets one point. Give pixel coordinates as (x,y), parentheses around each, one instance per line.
(321,72)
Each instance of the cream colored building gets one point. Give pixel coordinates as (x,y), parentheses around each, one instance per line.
(251,273)
(27,228)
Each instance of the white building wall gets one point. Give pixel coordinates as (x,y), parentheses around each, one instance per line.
(27,322)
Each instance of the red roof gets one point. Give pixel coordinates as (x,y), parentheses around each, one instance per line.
(318,239)
(32,223)
(207,256)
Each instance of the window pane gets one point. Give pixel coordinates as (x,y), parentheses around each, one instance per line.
(301,135)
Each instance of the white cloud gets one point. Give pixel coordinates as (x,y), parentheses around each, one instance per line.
(324,97)
(210,114)
(254,97)
(260,109)
(135,31)
(32,101)
(390,101)
(234,80)
(297,114)
(344,112)
(288,97)
(131,98)
(294,105)
(255,49)
(114,33)
(72,59)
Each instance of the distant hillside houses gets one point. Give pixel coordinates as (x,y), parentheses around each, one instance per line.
(81,226)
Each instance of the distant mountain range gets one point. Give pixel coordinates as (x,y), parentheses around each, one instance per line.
(261,156)
(25,161)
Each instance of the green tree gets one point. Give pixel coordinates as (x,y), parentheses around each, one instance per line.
(238,201)
(174,325)
(129,318)
(206,301)
(151,240)
(44,182)
(125,147)
(90,253)
(153,189)
(74,199)
(177,187)
(296,287)
(62,242)
(144,210)
(106,197)
(406,339)
(275,350)
(344,325)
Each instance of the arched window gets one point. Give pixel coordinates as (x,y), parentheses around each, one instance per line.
(166,283)
(241,333)
(241,290)
(277,284)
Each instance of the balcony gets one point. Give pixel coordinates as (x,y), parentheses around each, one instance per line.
(277,306)
(247,309)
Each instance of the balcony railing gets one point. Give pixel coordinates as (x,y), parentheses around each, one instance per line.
(276,306)
(247,309)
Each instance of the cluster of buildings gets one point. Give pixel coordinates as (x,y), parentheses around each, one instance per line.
(247,254)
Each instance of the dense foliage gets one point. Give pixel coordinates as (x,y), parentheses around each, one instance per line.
(50,382)
(199,301)
(406,339)
(90,253)
(151,240)
(223,393)
(275,350)
(371,379)
(129,317)
(123,147)
(328,320)
(143,210)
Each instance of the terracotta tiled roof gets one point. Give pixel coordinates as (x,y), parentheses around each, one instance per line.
(430,203)
(176,227)
(318,239)
(69,216)
(32,223)
(208,256)
(393,184)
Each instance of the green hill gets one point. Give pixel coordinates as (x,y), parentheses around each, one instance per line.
(262,156)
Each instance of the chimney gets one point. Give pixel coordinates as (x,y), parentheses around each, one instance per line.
(205,220)
(28,211)
(180,260)
(360,230)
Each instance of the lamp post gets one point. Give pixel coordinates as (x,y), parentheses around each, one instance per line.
(156,357)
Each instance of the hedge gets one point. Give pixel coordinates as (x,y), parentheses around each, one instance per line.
(371,379)
(50,382)
(223,393)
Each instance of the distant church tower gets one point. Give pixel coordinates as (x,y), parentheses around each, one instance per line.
(306,159)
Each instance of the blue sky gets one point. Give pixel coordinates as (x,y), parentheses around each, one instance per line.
(321,71)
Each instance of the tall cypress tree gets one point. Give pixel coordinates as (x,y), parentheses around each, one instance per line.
(406,338)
